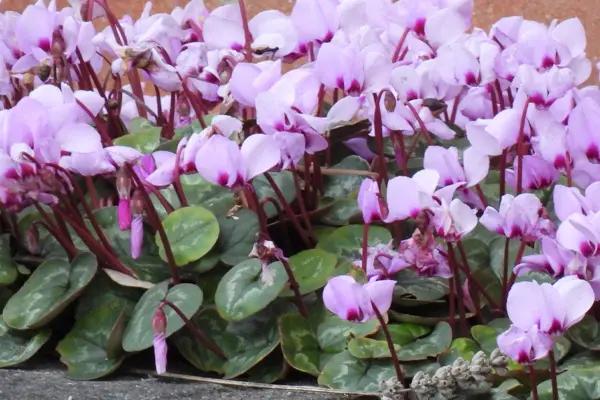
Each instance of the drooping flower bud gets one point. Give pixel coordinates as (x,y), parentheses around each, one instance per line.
(137,225)
(159,329)
(123,183)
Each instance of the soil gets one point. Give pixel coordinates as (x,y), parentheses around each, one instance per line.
(48,382)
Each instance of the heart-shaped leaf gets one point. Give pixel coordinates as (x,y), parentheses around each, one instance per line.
(486,335)
(370,348)
(345,372)
(196,353)
(575,384)
(333,333)
(101,317)
(246,289)
(269,370)
(237,236)
(8,268)
(51,288)
(245,343)
(191,231)
(312,269)
(143,137)
(412,286)
(431,345)
(405,333)
(17,347)
(299,344)
(185,296)
(347,240)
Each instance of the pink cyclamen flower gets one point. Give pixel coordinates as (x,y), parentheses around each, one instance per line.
(553,308)
(537,173)
(554,260)
(539,311)
(370,202)
(383,262)
(518,217)
(159,329)
(580,233)
(525,346)
(408,196)
(222,162)
(353,301)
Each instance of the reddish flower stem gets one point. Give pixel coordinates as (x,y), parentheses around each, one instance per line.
(466,268)
(288,210)
(552,360)
(247,34)
(198,333)
(459,294)
(295,287)
(157,223)
(301,203)
(398,49)
(378,127)
(520,150)
(390,343)
(422,126)
(365,248)
(533,383)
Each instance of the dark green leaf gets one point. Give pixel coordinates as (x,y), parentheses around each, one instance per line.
(486,335)
(333,333)
(246,289)
(17,347)
(8,268)
(347,240)
(192,232)
(431,345)
(237,236)
(312,269)
(345,372)
(51,288)
(92,349)
(299,344)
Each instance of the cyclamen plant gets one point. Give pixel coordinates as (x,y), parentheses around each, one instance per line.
(367,191)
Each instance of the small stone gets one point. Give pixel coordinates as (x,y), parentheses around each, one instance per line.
(423,386)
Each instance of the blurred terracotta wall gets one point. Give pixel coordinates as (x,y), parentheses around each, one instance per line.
(486,11)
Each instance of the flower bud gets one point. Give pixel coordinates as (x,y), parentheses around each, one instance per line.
(32,240)
(159,321)
(123,183)
(137,203)
(159,328)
